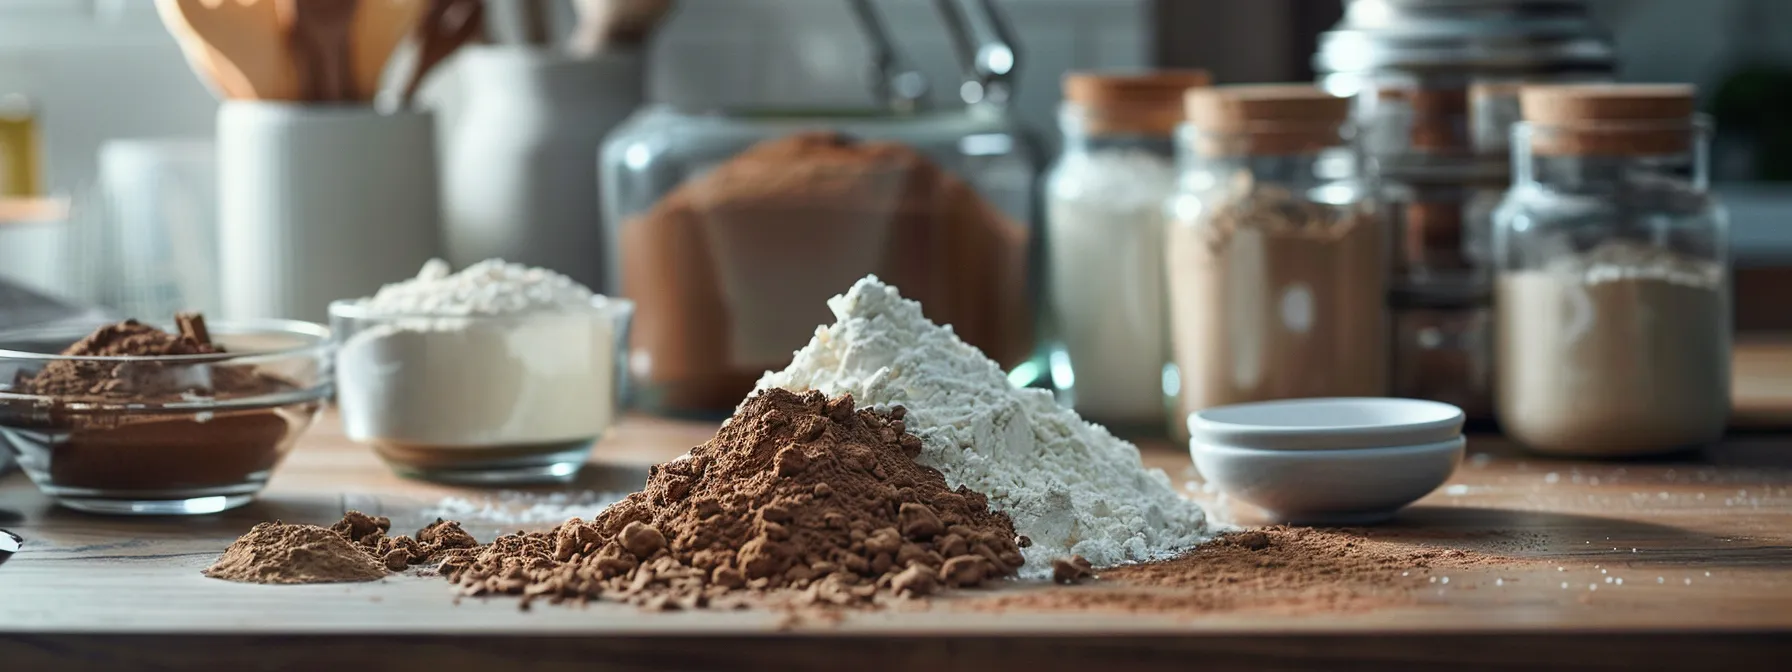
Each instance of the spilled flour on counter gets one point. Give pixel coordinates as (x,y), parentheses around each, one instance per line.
(1070,486)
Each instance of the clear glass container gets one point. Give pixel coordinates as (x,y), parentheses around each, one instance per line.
(481,399)
(1104,236)
(731,231)
(1612,295)
(1276,263)
(206,449)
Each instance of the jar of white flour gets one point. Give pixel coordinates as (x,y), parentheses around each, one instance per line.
(1105,239)
(500,373)
(1612,302)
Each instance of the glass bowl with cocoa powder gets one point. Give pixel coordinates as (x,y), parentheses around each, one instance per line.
(180,419)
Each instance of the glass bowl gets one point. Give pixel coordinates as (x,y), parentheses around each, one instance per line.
(163,435)
(482,399)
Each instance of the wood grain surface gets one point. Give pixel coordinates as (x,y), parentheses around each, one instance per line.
(1702,543)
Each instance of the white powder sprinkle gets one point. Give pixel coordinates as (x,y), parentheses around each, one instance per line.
(513,508)
(1071,486)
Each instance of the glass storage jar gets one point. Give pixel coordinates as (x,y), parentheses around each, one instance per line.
(1612,295)
(1104,217)
(730,231)
(1275,252)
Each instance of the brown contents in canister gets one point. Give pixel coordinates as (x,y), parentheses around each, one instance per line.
(1275,298)
(731,271)
(96,444)
(798,498)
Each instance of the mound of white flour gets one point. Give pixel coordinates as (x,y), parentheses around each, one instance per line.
(1070,486)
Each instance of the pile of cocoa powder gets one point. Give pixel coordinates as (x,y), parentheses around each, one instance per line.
(111,432)
(1280,568)
(798,498)
(731,271)
(356,548)
(151,381)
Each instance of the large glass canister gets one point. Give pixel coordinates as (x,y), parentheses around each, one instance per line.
(731,231)
(1612,295)
(1104,220)
(1436,88)
(1275,252)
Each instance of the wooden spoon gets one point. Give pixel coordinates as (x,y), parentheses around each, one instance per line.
(615,22)
(446,25)
(318,32)
(379,26)
(220,77)
(243,37)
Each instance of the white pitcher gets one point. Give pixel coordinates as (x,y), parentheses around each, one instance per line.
(520,175)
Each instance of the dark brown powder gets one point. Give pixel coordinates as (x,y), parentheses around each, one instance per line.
(1284,569)
(93,442)
(87,380)
(731,270)
(354,549)
(798,498)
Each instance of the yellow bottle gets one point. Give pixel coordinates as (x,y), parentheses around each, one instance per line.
(20,151)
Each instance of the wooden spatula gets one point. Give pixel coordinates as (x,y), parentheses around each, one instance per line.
(379,26)
(222,78)
(319,34)
(445,26)
(243,37)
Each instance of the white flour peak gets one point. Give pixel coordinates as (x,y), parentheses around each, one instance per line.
(1070,486)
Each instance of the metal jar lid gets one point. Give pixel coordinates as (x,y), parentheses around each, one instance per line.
(1515,37)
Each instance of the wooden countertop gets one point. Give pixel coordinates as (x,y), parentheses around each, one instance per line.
(1703,543)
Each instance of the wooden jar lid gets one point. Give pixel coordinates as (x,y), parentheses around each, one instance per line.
(1621,119)
(1267,118)
(1145,103)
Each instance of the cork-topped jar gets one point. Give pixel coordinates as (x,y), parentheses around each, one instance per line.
(1275,253)
(1105,236)
(1612,295)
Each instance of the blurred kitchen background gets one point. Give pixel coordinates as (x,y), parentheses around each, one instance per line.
(91,71)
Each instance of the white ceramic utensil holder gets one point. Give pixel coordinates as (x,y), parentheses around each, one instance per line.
(318,203)
(520,176)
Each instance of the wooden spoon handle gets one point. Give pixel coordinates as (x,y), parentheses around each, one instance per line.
(446,25)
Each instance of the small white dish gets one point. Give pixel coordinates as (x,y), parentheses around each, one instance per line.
(1328,461)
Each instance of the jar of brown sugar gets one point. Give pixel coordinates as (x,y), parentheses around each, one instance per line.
(731,231)
(1274,253)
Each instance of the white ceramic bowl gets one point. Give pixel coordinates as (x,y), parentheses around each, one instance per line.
(1328,461)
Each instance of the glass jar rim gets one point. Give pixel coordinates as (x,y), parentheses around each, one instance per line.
(317,335)
(600,304)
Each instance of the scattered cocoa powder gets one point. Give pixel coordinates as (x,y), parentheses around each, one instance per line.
(432,543)
(1073,569)
(356,548)
(732,270)
(798,499)
(1285,569)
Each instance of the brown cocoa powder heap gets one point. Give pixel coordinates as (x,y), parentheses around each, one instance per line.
(280,553)
(784,225)
(354,549)
(138,380)
(798,498)
(1280,568)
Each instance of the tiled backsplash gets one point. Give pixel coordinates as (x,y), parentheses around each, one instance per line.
(105,68)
